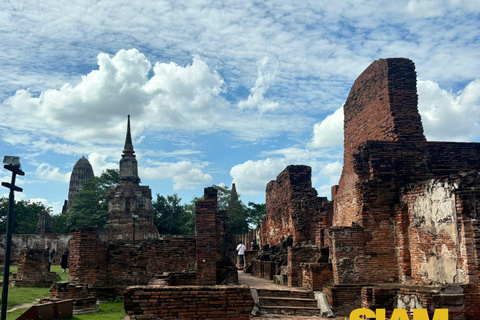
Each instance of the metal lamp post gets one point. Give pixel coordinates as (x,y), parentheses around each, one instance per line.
(12,164)
(134,218)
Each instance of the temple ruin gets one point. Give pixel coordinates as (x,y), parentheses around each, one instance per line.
(82,171)
(401,229)
(402,224)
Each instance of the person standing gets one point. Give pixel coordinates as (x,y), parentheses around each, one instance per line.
(50,257)
(64,262)
(241,251)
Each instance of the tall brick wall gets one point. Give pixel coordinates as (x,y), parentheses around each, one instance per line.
(384,169)
(381,106)
(293,208)
(405,210)
(296,256)
(348,249)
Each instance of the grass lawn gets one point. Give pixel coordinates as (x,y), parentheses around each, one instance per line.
(21,295)
(109,311)
(58,270)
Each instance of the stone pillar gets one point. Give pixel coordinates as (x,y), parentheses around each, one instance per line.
(206,250)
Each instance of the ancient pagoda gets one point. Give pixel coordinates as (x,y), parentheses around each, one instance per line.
(129,203)
(82,171)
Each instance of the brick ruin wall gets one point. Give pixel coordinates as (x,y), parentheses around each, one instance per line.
(405,208)
(381,106)
(33,269)
(88,258)
(314,275)
(386,169)
(293,208)
(99,263)
(441,245)
(119,265)
(189,302)
(215,245)
(293,228)
(385,151)
(59,242)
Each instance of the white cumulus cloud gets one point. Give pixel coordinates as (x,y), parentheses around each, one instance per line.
(448,116)
(184,174)
(265,79)
(56,207)
(100,164)
(329,132)
(251,177)
(94,109)
(47,172)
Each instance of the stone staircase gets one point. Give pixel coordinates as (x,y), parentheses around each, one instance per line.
(287,302)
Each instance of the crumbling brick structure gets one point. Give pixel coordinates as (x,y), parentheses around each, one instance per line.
(294,209)
(96,261)
(214,244)
(83,301)
(403,223)
(402,212)
(292,233)
(119,264)
(33,269)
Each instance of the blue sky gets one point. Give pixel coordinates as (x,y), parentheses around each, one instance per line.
(218,92)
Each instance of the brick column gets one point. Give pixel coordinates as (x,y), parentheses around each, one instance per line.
(206,247)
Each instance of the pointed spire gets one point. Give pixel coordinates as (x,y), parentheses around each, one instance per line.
(128,148)
(128,163)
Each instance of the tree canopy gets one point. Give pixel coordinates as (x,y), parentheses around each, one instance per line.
(25,217)
(90,206)
(171,217)
(255,212)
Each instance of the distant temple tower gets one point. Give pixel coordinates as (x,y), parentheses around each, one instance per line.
(129,202)
(82,171)
(44,224)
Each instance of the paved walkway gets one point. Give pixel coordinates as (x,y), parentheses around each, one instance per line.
(259,283)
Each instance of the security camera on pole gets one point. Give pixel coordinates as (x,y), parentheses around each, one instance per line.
(12,164)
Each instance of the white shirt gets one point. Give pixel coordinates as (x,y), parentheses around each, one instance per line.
(241,249)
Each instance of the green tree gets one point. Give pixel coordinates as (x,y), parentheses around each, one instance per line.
(59,224)
(25,217)
(90,206)
(171,217)
(255,212)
